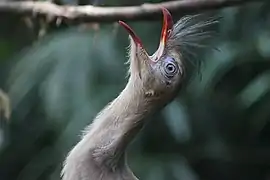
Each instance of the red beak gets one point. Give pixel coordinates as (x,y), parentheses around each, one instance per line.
(166,28)
(133,35)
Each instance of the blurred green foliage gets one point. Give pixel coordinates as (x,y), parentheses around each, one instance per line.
(216,129)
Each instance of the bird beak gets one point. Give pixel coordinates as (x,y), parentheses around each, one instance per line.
(133,35)
(166,29)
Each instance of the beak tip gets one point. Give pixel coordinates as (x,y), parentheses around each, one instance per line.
(135,38)
(164,10)
(122,23)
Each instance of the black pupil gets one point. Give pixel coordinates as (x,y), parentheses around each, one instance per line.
(170,67)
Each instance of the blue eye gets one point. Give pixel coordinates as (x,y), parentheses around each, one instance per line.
(169,67)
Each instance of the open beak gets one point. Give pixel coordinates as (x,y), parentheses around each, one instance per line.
(133,35)
(166,29)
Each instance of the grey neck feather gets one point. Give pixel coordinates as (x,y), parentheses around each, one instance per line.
(100,155)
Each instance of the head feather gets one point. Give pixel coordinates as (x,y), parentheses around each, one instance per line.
(191,33)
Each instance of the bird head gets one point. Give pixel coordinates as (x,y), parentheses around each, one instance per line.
(163,71)
(160,72)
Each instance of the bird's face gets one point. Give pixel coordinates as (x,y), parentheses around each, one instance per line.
(160,73)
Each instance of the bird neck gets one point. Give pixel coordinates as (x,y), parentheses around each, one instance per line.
(107,138)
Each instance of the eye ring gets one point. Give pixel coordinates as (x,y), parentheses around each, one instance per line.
(170,68)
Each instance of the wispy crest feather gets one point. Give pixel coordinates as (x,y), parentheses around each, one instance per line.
(192,32)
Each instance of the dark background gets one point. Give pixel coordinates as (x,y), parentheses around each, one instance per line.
(59,77)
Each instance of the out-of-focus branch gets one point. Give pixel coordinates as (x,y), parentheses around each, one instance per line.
(4,105)
(109,14)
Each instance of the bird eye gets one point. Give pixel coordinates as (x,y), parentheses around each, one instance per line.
(170,67)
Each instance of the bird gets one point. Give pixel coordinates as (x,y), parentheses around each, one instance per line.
(153,82)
